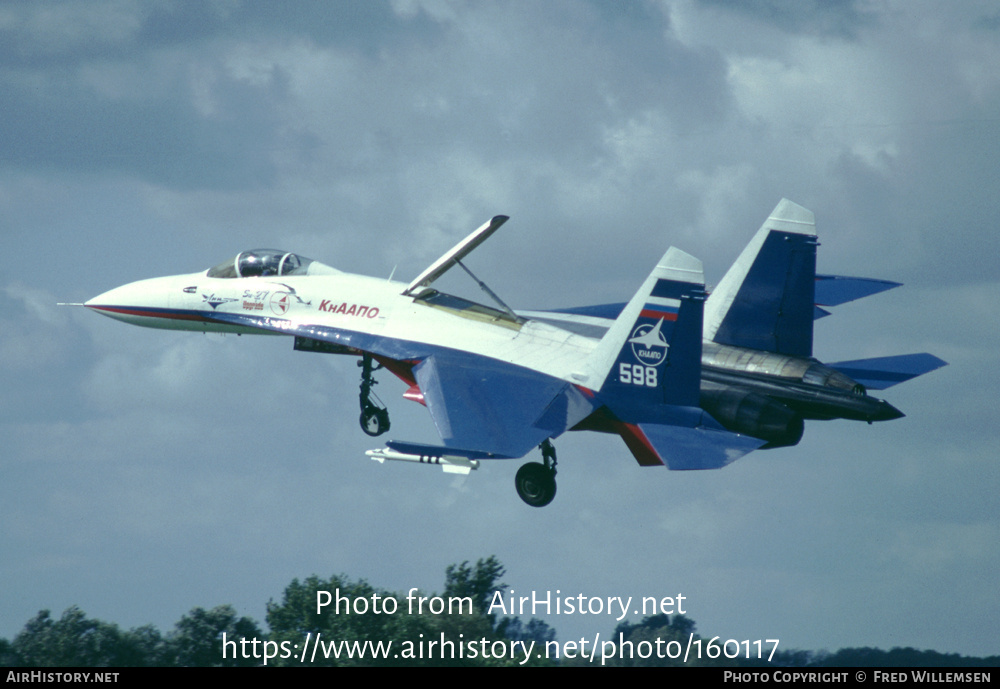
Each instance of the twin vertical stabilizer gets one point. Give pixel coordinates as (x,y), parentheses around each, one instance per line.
(652,353)
(767,299)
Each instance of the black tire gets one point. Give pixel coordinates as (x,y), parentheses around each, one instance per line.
(535,484)
(375,421)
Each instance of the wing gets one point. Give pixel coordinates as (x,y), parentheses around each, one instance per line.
(488,406)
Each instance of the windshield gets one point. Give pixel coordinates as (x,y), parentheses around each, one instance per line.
(263,263)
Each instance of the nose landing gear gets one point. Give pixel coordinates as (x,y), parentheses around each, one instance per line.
(536,482)
(374,414)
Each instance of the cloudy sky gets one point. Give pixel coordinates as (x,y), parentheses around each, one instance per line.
(145,472)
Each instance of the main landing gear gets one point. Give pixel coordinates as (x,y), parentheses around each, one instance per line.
(374,415)
(535,482)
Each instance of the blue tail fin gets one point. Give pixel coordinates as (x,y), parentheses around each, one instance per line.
(766,300)
(652,354)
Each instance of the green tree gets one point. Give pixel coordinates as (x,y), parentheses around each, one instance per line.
(76,640)
(72,640)
(8,658)
(143,647)
(197,638)
(357,613)
(480,583)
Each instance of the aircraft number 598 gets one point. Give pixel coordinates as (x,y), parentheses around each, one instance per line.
(637,374)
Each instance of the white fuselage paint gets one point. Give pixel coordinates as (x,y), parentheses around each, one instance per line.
(344,301)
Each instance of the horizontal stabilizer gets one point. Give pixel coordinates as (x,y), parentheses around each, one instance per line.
(706,446)
(834,290)
(884,372)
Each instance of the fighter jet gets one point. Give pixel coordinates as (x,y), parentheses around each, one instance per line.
(689,380)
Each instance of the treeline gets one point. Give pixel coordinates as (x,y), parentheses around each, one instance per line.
(197,640)
(476,637)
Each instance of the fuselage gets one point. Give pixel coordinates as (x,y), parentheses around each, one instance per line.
(748,391)
(354,311)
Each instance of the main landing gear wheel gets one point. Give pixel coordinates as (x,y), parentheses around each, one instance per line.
(535,482)
(374,416)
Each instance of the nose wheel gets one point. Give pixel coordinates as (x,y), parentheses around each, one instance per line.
(374,421)
(536,482)
(374,414)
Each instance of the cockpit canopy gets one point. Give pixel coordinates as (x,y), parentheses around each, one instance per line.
(269,263)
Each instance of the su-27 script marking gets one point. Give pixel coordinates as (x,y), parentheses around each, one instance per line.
(688,380)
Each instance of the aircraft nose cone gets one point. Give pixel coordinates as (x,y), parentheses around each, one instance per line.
(102,299)
(114,301)
(887,412)
(137,302)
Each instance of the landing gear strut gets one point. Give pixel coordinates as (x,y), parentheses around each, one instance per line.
(374,415)
(535,482)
